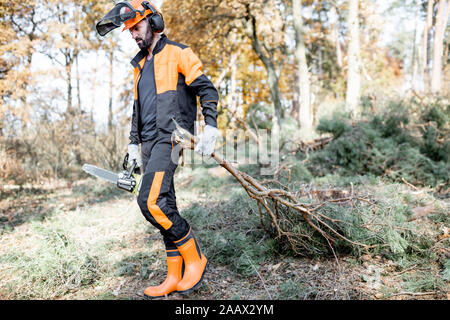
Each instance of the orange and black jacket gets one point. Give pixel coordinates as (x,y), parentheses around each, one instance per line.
(179,80)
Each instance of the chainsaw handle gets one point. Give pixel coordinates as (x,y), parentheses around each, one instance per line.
(125,162)
(133,165)
(134,169)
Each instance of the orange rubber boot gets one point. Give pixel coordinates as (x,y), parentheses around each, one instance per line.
(174,275)
(195,264)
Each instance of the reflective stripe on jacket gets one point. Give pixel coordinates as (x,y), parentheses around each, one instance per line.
(179,79)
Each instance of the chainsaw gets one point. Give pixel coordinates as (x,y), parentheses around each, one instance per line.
(129,179)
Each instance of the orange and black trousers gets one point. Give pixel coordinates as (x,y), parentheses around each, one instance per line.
(157,198)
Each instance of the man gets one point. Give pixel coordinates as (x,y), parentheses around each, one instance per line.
(167,79)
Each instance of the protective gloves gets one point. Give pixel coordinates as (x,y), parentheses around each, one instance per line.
(207,141)
(133,154)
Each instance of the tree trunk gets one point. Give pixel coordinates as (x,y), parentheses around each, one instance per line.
(69,87)
(438,45)
(305,114)
(274,92)
(446,52)
(76,56)
(296,99)
(233,89)
(94,87)
(334,21)
(111,88)
(414,63)
(267,60)
(233,61)
(320,60)
(425,46)
(77,74)
(353,61)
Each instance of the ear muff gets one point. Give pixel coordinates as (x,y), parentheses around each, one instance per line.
(155,19)
(156,22)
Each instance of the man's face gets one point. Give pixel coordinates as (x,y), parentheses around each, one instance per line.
(142,34)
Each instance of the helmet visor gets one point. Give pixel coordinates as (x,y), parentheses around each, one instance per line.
(114,19)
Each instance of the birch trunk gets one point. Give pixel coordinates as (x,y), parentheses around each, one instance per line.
(438,45)
(334,21)
(414,64)
(305,115)
(424,72)
(353,61)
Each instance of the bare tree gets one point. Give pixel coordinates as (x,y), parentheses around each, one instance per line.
(266,55)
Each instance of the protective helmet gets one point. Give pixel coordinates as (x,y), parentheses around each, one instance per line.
(130,14)
(150,9)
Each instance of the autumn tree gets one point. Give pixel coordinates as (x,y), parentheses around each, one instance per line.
(250,19)
(19,32)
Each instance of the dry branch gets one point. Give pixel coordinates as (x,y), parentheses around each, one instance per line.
(279,204)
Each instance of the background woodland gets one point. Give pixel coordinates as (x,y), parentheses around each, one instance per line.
(357,90)
(277,64)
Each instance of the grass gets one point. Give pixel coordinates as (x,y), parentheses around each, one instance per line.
(423,282)
(22,206)
(68,251)
(56,265)
(105,249)
(403,243)
(291,290)
(230,233)
(137,265)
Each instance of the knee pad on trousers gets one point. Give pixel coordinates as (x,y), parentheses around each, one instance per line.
(149,210)
(163,216)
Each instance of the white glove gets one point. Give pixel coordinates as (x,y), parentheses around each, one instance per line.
(133,154)
(207,141)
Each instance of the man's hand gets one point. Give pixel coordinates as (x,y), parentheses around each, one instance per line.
(207,141)
(133,154)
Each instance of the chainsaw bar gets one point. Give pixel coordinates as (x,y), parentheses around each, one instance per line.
(101,173)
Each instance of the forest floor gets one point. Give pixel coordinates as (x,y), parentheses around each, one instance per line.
(88,240)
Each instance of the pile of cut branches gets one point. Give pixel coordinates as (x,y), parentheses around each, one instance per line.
(295,218)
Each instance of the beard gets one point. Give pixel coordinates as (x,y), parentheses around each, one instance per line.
(148,41)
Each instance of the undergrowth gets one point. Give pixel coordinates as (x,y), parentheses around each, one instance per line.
(402,143)
(230,233)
